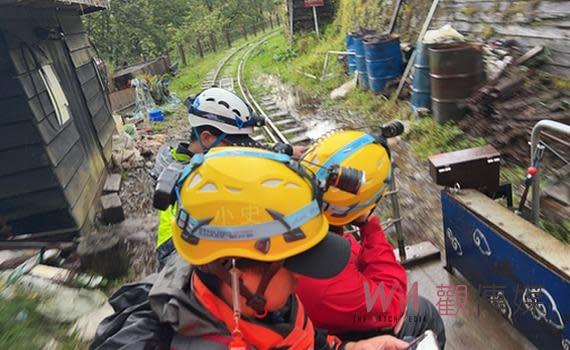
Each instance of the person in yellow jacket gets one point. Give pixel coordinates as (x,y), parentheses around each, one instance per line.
(217,117)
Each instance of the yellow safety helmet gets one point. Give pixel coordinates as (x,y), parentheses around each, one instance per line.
(358,150)
(239,202)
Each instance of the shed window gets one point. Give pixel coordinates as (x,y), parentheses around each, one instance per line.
(56,94)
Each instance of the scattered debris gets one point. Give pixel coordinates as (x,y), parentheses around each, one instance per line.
(505,109)
(148,145)
(125,155)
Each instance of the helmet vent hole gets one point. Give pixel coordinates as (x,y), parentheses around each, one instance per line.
(292,185)
(225,104)
(237,112)
(233,189)
(197,178)
(209,187)
(271,183)
(211,99)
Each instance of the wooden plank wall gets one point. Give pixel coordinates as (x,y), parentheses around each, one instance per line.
(529,22)
(66,179)
(82,56)
(28,186)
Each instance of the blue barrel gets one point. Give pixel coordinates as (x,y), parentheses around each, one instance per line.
(350,47)
(383,60)
(361,63)
(421,87)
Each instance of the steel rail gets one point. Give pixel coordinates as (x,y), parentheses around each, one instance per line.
(270,128)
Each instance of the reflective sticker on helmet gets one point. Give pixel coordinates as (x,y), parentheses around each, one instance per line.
(340,211)
(257,231)
(343,153)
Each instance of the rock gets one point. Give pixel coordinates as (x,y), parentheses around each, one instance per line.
(52,345)
(343,90)
(58,303)
(104,254)
(112,209)
(86,326)
(112,183)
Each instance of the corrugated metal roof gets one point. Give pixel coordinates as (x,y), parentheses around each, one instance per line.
(85,6)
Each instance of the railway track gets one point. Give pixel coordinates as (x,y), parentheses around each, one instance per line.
(280,126)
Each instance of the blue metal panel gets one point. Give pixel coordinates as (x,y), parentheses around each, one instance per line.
(529,295)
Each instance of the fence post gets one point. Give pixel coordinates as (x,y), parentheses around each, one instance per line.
(182,54)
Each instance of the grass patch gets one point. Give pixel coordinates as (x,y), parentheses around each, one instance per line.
(33,332)
(429,137)
(189,79)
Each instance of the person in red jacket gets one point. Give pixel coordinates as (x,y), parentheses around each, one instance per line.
(369,297)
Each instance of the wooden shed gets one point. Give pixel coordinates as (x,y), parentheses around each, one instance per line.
(301,18)
(55,121)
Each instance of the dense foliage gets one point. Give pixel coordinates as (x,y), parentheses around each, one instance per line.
(130,29)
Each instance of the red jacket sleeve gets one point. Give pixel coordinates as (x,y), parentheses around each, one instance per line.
(352,301)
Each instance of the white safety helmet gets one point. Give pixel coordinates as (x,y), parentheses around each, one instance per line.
(223,110)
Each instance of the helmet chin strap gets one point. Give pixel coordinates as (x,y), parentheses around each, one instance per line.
(214,144)
(256,300)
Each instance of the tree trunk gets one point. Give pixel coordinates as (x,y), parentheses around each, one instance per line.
(213,42)
(271,22)
(182,54)
(244,30)
(228,38)
(278,20)
(199,47)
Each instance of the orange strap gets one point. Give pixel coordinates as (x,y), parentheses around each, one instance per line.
(302,337)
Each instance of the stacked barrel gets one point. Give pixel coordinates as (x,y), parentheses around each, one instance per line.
(383,60)
(377,58)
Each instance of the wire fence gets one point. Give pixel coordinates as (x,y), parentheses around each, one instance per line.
(224,38)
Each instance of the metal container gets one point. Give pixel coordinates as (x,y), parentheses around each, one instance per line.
(522,271)
(383,60)
(421,87)
(350,47)
(456,70)
(476,168)
(361,63)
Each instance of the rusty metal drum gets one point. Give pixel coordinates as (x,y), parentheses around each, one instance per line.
(456,70)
